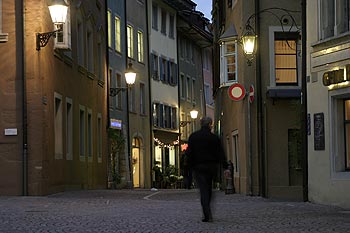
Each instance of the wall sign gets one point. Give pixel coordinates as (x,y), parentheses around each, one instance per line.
(336,76)
(319,138)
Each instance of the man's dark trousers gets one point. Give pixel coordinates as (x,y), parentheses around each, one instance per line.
(204,174)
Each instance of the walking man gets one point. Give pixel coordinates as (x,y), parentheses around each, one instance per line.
(205,153)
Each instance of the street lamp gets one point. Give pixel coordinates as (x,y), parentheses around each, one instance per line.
(130,77)
(248,38)
(58,11)
(193,114)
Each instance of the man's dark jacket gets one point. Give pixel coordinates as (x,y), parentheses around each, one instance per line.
(204,147)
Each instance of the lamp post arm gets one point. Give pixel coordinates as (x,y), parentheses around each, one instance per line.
(43,38)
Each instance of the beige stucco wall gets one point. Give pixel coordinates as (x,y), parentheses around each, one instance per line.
(326,186)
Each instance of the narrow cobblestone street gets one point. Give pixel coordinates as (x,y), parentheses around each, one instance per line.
(164,211)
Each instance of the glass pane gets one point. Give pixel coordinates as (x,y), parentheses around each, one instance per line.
(286,76)
(230,48)
(231,59)
(347,109)
(285,61)
(231,68)
(231,76)
(285,47)
(347,143)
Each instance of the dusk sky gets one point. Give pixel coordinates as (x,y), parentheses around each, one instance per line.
(204,6)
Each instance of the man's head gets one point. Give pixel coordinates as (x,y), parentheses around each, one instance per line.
(206,122)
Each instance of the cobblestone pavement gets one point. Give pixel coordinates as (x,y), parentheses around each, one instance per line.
(164,211)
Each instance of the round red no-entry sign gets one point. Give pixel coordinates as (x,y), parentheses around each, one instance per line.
(236,92)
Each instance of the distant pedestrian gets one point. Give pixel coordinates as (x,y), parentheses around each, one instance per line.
(205,153)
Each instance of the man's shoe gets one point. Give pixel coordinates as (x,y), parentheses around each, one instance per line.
(205,219)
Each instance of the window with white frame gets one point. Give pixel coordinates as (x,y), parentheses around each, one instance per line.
(193,90)
(188,88)
(100,58)
(117,34)
(286,58)
(340,126)
(89,135)
(142,99)
(58,119)
(118,97)
(154,66)
(182,86)
(90,48)
(140,49)
(132,99)
(80,40)
(155,17)
(99,137)
(333,17)
(163,69)
(63,38)
(171,26)
(228,62)
(3,36)
(69,129)
(109,29)
(82,133)
(163,21)
(130,40)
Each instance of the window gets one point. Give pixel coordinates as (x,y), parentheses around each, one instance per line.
(193,90)
(100,57)
(334,18)
(163,23)
(3,36)
(89,134)
(112,84)
(142,99)
(90,49)
(163,69)
(58,127)
(155,17)
(172,73)
(173,118)
(208,94)
(182,86)
(235,151)
(340,128)
(140,46)
(118,97)
(130,38)
(109,29)
(155,114)
(80,40)
(171,26)
(99,137)
(69,129)
(188,88)
(228,63)
(167,116)
(286,59)
(154,66)
(132,99)
(117,35)
(63,39)
(82,133)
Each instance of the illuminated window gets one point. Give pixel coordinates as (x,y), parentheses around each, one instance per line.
(109,29)
(130,39)
(117,34)
(140,50)
(228,63)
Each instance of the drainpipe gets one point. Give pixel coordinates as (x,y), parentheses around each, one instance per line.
(20,25)
(127,97)
(149,99)
(304,104)
(107,100)
(261,148)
